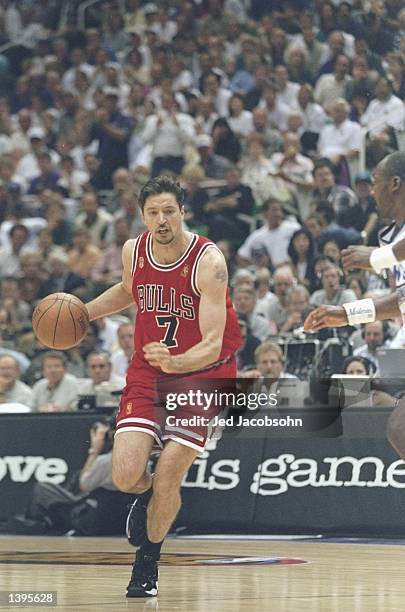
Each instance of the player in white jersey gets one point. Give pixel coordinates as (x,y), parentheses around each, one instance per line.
(389,193)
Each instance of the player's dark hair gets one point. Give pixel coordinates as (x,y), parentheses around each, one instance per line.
(394,165)
(161,184)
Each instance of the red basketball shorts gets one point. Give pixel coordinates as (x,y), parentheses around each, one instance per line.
(174,407)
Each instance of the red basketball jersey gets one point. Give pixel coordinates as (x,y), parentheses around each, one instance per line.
(168,300)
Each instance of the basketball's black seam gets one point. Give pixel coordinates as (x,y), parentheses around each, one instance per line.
(57,319)
(73,319)
(49,307)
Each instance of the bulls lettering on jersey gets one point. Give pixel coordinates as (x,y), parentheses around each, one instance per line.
(168,299)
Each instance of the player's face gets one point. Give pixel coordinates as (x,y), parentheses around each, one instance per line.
(381,193)
(163,217)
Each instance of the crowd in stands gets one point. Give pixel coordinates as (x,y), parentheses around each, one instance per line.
(272,114)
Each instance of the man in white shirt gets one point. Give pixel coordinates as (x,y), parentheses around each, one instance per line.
(343,137)
(11,388)
(386,110)
(277,111)
(101,382)
(375,337)
(168,131)
(58,390)
(332,86)
(275,236)
(121,358)
(287,90)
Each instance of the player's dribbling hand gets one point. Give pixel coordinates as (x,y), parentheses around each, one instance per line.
(357,257)
(158,356)
(325,316)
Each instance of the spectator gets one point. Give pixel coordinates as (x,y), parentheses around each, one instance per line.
(301,251)
(101,378)
(287,90)
(108,269)
(214,166)
(274,236)
(358,366)
(375,336)
(225,142)
(245,356)
(245,303)
(363,215)
(297,308)
(10,255)
(223,210)
(332,291)
(61,278)
(83,256)
(272,139)
(57,390)
(341,141)
(283,281)
(93,218)
(12,390)
(277,112)
(332,86)
(240,120)
(112,129)
(340,198)
(121,358)
(48,176)
(168,131)
(314,118)
(60,227)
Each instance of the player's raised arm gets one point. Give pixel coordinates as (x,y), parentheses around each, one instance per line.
(373,258)
(212,281)
(353,313)
(119,296)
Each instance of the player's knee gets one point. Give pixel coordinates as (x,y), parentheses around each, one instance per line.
(125,480)
(165,486)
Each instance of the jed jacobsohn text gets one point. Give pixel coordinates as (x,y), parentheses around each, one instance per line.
(217,421)
(205,401)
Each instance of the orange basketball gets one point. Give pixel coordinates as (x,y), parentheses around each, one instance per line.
(60,321)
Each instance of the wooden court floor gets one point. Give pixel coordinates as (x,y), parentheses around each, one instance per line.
(90,574)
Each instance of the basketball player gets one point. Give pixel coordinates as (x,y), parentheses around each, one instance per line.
(185,325)
(389,193)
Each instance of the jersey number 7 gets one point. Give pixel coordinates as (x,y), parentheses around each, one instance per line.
(171,323)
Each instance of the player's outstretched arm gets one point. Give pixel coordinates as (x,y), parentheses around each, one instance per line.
(353,313)
(372,258)
(119,296)
(212,281)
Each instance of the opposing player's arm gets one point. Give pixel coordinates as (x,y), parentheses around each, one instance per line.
(119,296)
(373,258)
(386,307)
(212,280)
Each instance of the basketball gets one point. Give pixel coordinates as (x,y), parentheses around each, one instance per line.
(60,321)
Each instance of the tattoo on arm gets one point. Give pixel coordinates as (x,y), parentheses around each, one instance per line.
(221,275)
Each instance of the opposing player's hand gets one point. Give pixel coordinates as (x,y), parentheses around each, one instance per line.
(357,257)
(158,356)
(326,316)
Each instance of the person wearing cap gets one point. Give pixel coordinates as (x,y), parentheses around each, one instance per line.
(168,131)
(28,166)
(363,215)
(214,166)
(112,129)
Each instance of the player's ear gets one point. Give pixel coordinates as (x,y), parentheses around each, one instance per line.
(182,211)
(395,184)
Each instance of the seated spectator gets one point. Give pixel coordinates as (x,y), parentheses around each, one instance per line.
(61,278)
(240,120)
(10,255)
(225,142)
(100,376)
(48,176)
(71,178)
(297,299)
(10,297)
(214,165)
(330,230)
(83,257)
(340,141)
(245,303)
(358,366)
(11,388)
(222,211)
(60,227)
(363,215)
(195,197)
(272,140)
(314,119)
(107,339)
(245,356)
(292,167)
(283,281)
(383,115)
(301,251)
(121,358)
(206,116)
(331,249)
(277,111)
(331,86)
(46,247)
(57,391)
(274,236)
(375,335)
(339,197)
(93,218)
(287,90)
(130,212)
(108,270)
(332,291)
(357,283)
(262,282)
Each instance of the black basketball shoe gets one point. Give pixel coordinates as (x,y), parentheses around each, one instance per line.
(144,577)
(136,519)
